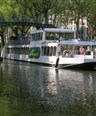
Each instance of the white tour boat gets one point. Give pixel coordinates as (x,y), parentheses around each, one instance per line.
(52,46)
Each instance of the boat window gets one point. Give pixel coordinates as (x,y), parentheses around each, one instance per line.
(27,50)
(47,51)
(41,34)
(56,36)
(37,36)
(67,51)
(54,51)
(83,50)
(51,36)
(50,51)
(42,49)
(32,36)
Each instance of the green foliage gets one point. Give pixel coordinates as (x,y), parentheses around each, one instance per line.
(42,10)
(56,12)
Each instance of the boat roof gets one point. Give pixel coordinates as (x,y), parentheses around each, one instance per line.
(58,30)
(54,30)
(78,43)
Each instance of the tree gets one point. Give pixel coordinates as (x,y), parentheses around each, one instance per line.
(78,9)
(92,16)
(56,12)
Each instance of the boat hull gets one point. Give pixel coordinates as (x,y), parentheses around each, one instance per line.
(82,66)
(79,66)
(75,63)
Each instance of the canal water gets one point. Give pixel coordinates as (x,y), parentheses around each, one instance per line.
(32,90)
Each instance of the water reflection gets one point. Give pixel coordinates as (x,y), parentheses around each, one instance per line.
(32,90)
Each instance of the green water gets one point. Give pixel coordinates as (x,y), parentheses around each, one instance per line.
(32,90)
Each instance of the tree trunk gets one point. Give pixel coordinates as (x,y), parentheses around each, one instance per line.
(2,40)
(77,25)
(46,17)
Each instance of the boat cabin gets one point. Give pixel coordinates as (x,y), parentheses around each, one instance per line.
(54,42)
(50,34)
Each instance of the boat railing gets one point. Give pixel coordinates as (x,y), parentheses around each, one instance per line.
(72,55)
(84,56)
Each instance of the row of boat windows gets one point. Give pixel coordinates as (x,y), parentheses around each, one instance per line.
(21,40)
(46,51)
(57,36)
(37,36)
(52,36)
(76,50)
(25,40)
(18,50)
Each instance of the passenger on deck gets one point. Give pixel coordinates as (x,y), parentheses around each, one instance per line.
(65,53)
(81,51)
(88,50)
